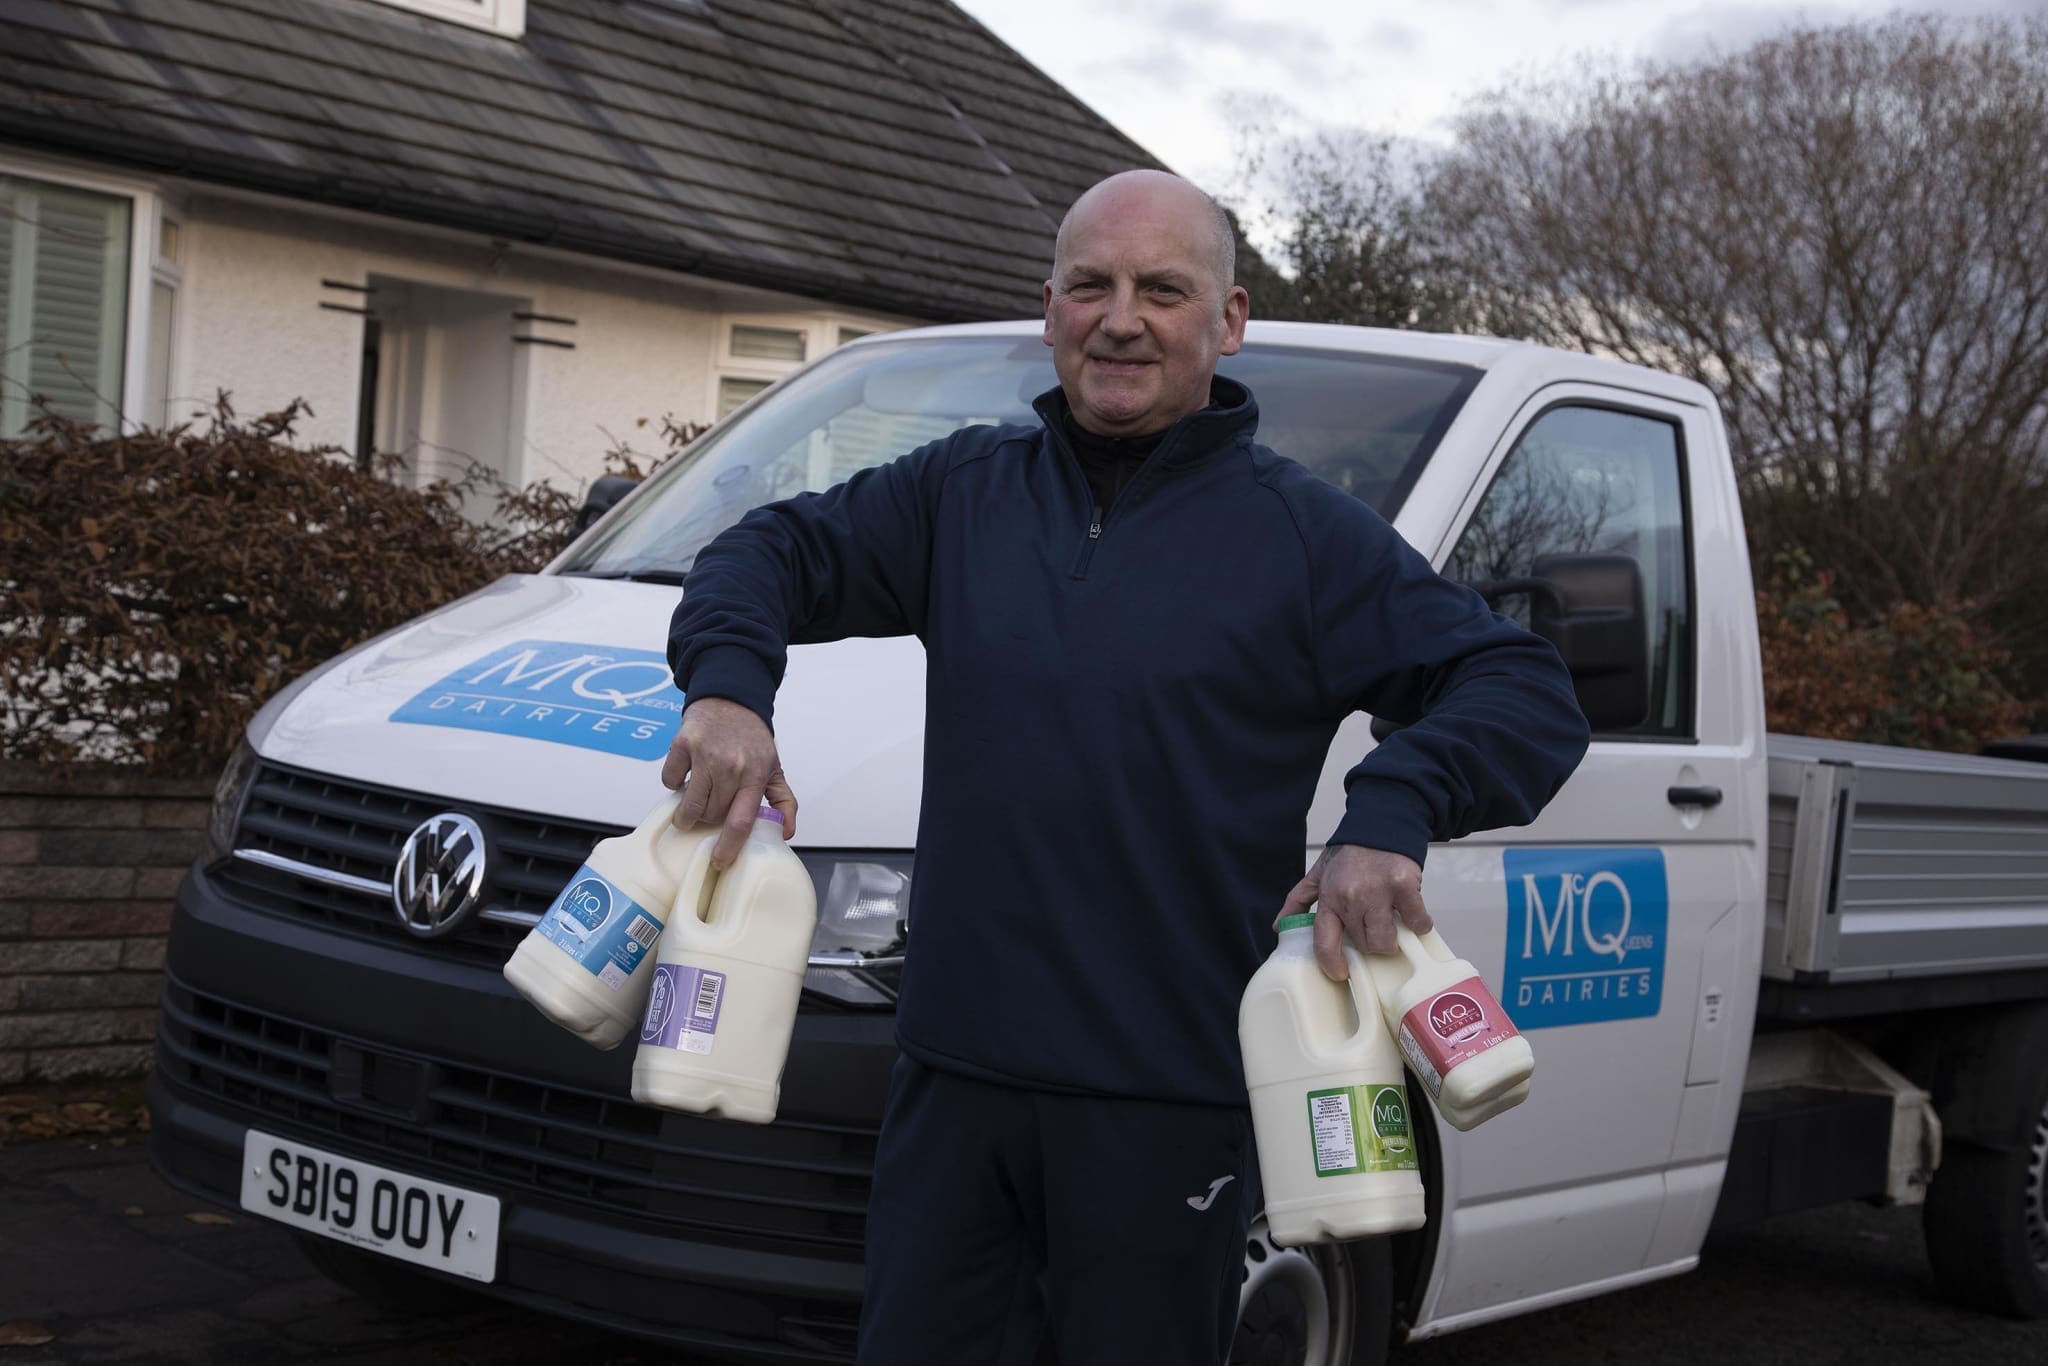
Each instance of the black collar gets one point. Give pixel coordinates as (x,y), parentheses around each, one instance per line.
(1093,447)
(1232,412)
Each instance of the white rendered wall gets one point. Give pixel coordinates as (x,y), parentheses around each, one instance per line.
(250,321)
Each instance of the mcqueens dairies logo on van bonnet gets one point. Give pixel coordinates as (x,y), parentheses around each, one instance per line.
(567,693)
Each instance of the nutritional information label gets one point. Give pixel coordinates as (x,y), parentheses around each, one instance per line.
(1336,1137)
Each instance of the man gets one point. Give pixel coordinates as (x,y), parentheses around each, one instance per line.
(1142,630)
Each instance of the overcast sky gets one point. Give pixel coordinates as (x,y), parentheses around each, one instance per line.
(1170,73)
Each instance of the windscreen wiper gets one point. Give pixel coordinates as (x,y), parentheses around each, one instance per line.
(642,574)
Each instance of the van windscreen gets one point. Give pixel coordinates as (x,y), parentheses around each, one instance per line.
(1367,423)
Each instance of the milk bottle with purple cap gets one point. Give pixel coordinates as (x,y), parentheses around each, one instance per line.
(724,996)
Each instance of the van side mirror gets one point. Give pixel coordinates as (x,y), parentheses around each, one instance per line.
(605,491)
(1590,606)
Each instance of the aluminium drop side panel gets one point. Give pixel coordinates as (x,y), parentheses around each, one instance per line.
(1939,866)
(1808,800)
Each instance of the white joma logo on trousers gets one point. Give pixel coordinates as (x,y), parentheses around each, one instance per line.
(1204,1201)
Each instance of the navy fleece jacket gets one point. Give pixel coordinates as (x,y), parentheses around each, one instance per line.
(1124,726)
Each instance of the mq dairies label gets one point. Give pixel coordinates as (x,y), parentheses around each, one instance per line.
(1586,935)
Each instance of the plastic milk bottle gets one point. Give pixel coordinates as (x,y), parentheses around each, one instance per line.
(588,963)
(1452,1031)
(1329,1103)
(724,996)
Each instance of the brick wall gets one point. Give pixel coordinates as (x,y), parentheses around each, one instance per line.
(88,866)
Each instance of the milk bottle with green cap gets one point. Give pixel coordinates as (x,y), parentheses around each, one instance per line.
(723,1001)
(1452,1031)
(1329,1103)
(588,963)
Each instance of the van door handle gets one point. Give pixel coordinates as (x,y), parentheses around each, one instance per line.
(1693,796)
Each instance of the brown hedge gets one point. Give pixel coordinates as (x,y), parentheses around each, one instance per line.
(1927,676)
(158,587)
(155,589)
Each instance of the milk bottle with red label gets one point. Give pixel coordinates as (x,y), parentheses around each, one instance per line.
(1452,1031)
(724,996)
(1330,1109)
(588,963)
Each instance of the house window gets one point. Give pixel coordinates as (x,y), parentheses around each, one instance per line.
(755,352)
(63,302)
(506,18)
(784,344)
(733,392)
(757,349)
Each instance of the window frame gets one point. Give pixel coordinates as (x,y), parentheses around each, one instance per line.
(166,272)
(820,329)
(1588,395)
(145,212)
(505,18)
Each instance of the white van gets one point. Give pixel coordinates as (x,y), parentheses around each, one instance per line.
(339,1052)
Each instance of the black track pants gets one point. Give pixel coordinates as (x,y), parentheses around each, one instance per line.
(1003,1219)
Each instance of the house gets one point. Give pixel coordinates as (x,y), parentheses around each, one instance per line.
(505,229)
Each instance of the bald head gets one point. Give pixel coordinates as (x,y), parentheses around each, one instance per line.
(1127,191)
(1141,305)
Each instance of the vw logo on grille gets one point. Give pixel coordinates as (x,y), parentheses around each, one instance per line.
(440,875)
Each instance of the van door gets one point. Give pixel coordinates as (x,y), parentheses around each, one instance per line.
(1592,923)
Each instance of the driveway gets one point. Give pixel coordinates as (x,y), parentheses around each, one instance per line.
(115,1267)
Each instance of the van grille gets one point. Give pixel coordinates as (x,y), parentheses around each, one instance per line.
(762,1186)
(356,829)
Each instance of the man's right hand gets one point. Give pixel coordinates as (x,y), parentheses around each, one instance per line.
(724,760)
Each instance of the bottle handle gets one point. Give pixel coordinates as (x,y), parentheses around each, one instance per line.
(697,893)
(1414,948)
(661,817)
(1365,998)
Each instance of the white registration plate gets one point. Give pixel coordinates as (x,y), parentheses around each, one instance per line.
(407,1217)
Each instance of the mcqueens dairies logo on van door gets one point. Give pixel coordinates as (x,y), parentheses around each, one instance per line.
(590,696)
(1586,935)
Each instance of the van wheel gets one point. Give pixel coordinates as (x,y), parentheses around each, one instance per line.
(391,1285)
(1326,1305)
(1986,1218)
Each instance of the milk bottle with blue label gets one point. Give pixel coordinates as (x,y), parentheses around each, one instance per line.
(588,963)
(1451,1029)
(724,996)
(1330,1105)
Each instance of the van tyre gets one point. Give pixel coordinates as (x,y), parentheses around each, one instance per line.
(1986,1218)
(391,1285)
(1326,1305)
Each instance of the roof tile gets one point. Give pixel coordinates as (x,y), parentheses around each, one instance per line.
(889,154)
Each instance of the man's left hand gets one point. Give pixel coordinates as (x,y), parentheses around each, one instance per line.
(1358,893)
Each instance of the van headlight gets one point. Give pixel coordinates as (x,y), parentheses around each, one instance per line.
(863,921)
(226,811)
